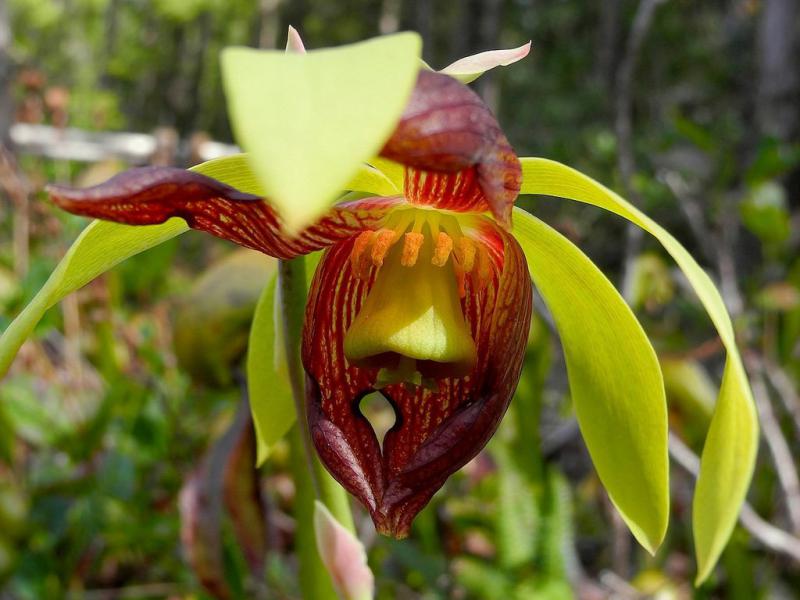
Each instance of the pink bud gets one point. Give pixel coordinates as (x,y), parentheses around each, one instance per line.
(343,555)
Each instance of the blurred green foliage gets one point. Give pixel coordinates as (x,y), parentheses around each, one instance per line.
(100,427)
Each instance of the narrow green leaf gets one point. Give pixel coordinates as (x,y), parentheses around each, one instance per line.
(98,248)
(268,387)
(309,120)
(729,453)
(614,376)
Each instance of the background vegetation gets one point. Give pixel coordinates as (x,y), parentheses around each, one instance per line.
(692,109)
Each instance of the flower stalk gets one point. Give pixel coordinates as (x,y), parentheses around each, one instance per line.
(292,302)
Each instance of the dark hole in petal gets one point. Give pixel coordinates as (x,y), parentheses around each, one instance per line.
(380,413)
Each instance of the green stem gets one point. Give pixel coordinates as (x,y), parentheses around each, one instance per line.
(292,289)
(313,577)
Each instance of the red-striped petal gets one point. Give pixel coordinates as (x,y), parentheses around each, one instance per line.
(151,195)
(448,133)
(436,432)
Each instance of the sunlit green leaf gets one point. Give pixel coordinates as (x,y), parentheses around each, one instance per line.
(270,395)
(99,247)
(730,450)
(309,120)
(615,379)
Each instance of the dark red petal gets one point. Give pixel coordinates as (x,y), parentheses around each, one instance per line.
(447,131)
(151,195)
(436,433)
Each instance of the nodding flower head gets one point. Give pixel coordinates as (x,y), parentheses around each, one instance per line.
(423,297)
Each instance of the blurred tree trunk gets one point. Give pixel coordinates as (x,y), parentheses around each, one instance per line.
(6,75)
(489,38)
(608,38)
(295,14)
(268,33)
(111,25)
(422,22)
(389,21)
(778,101)
(462,32)
(778,84)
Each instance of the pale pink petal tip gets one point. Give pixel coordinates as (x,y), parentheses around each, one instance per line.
(343,556)
(294,42)
(472,67)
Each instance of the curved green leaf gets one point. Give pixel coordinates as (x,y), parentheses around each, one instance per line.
(98,248)
(730,449)
(614,375)
(309,120)
(268,387)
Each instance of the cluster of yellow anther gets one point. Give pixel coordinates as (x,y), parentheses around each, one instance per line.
(448,241)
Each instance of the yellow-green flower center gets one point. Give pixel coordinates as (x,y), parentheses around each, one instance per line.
(411,325)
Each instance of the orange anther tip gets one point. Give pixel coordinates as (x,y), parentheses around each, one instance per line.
(411,245)
(384,239)
(357,253)
(441,252)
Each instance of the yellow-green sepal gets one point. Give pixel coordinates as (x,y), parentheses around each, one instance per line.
(615,380)
(731,445)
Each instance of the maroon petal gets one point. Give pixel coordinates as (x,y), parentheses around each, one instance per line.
(151,195)
(436,432)
(449,134)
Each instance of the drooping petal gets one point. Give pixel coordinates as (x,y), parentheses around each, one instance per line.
(458,156)
(151,195)
(436,431)
(615,381)
(469,68)
(729,454)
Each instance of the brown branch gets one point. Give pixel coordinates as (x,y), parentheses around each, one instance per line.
(776,441)
(785,389)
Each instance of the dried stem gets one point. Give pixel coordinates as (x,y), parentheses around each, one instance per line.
(785,389)
(776,442)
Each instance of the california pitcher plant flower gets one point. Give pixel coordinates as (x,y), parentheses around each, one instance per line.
(424,296)
(424,291)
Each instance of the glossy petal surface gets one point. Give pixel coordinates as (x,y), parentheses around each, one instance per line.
(448,133)
(437,431)
(151,195)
